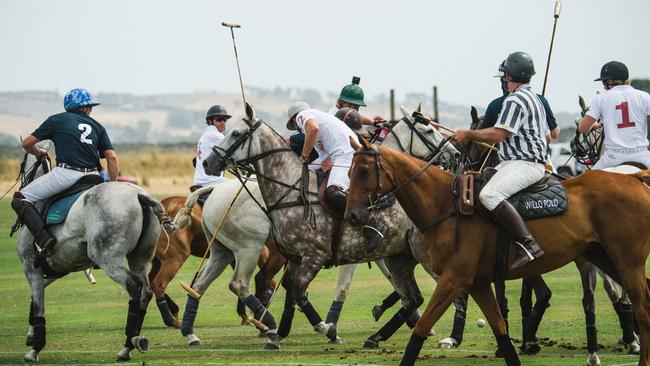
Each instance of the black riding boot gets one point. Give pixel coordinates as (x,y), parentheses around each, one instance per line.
(336,198)
(510,219)
(374,230)
(29,216)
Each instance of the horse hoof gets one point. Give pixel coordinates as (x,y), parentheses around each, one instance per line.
(338,340)
(370,343)
(193,340)
(140,343)
(31,356)
(331,332)
(593,360)
(377,311)
(530,348)
(633,348)
(447,343)
(271,345)
(123,355)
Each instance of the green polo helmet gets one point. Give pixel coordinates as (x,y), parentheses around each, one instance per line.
(352,93)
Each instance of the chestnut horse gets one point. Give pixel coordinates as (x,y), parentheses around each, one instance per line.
(606,222)
(174,249)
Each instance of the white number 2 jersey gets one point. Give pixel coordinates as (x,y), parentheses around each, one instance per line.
(624,113)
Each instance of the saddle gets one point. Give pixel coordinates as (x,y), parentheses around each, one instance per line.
(545,198)
(57,207)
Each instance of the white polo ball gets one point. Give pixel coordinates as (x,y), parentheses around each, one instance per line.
(480,323)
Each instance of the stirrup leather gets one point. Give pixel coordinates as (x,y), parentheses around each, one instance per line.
(526,251)
(381,236)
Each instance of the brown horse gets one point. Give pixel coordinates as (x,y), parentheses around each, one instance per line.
(173,250)
(606,222)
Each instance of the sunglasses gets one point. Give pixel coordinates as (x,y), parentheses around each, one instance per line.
(219,119)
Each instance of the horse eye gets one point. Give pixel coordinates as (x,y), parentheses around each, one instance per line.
(236,133)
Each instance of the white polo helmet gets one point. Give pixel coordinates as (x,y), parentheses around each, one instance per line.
(294,109)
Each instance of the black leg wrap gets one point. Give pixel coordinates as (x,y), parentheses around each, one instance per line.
(335,312)
(287,317)
(191,308)
(534,320)
(258,309)
(166,314)
(459,325)
(412,350)
(626,319)
(592,337)
(241,308)
(173,307)
(39,333)
(133,323)
(31,313)
(390,300)
(508,350)
(393,324)
(307,308)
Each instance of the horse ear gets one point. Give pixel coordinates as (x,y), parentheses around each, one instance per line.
(583,105)
(419,108)
(474,113)
(354,143)
(405,111)
(364,143)
(250,113)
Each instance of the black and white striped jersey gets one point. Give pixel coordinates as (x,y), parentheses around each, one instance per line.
(524,117)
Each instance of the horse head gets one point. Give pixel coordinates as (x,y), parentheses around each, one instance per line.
(369,182)
(32,168)
(586,148)
(415,135)
(235,147)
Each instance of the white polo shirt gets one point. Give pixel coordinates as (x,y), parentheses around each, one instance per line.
(333,134)
(210,137)
(624,113)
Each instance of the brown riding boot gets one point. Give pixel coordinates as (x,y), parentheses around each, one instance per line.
(509,218)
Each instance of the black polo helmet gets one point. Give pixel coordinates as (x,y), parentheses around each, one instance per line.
(350,117)
(217,111)
(614,70)
(519,65)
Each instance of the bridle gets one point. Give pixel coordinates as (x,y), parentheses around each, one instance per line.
(27,176)
(415,132)
(379,199)
(587,152)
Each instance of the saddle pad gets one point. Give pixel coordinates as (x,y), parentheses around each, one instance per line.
(58,211)
(548,202)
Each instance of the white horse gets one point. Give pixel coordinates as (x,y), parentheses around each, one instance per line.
(107,224)
(245,230)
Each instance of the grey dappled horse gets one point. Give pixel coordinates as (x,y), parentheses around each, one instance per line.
(307,244)
(107,223)
(246,228)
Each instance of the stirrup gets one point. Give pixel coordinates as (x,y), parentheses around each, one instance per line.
(381,236)
(530,256)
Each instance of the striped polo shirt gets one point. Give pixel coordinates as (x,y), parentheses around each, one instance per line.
(524,117)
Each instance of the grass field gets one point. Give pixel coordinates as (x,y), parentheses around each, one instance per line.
(86,323)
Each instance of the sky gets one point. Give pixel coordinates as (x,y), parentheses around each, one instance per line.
(151,47)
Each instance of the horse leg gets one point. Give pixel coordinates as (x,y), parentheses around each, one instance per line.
(391,299)
(220,258)
(264,282)
(451,285)
(458,329)
(485,299)
(166,272)
(543,295)
(37,311)
(526,305)
(623,308)
(588,278)
(288,312)
(403,277)
(245,262)
(346,273)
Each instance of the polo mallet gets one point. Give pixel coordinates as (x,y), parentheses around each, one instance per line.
(89,276)
(556,15)
(189,288)
(232,33)
(451,130)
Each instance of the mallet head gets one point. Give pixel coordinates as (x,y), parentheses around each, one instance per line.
(230,25)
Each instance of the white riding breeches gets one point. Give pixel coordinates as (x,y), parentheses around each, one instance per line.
(616,157)
(50,184)
(511,177)
(339,171)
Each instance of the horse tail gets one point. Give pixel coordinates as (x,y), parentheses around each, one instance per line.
(158,209)
(643,176)
(183,217)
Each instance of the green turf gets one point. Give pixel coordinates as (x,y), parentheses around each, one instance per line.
(86,323)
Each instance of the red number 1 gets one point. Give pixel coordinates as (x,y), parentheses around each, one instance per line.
(625,122)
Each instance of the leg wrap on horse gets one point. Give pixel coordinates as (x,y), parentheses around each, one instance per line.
(173,307)
(592,334)
(307,308)
(335,312)
(535,317)
(393,324)
(508,350)
(626,320)
(287,317)
(31,313)
(133,322)
(412,350)
(389,301)
(165,312)
(191,308)
(258,309)
(458,329)
(39,333)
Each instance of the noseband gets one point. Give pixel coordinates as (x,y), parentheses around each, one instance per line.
(414,131)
